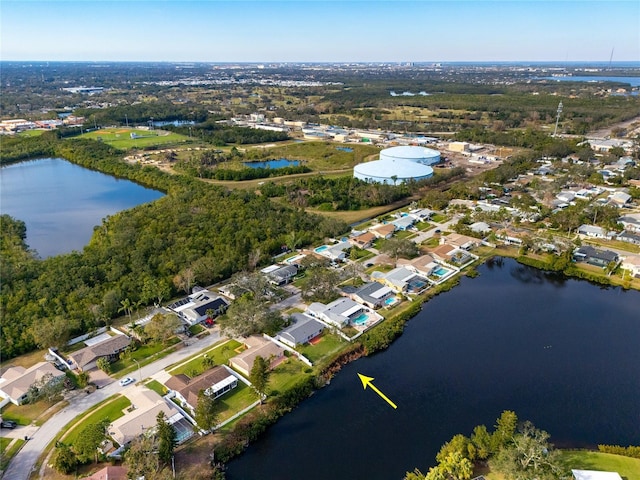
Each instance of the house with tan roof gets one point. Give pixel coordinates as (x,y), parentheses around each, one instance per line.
(110,348)
(146,404)
(16,381)
(457,240)
(363,241)
(423,265)
(256,347)
(214,382)
(443,253)
(111,472)
(383,231)
(630,263)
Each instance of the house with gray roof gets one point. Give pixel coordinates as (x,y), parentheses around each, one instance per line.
(283,274)
(594,256)
(110,349)
(620,199)
(629,237)
(592,231)
(214,382)
(404,223)
(338,313)
(372,294)
(304,329)
(630,221)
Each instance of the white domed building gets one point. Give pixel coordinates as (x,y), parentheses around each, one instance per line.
(398,165)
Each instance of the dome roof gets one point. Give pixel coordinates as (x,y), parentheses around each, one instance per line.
(387,168)
(415,154)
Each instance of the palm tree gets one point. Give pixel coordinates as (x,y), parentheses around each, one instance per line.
(126,307)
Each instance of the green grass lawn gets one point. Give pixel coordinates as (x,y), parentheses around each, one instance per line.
(235,401)
(120,138)
(285,375)
(111,410)
(27,413)
(144,354)
(404,234)
(157,387)
(628,468)
(31,133)
(4,443)
(329,343)
(4,461)
(438,218)
(196,329)
(221,353)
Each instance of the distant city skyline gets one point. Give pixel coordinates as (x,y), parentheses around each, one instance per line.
(329,31)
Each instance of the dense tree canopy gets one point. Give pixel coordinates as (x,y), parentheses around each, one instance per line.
(136,253)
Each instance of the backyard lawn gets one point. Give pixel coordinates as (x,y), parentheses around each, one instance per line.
(328,344)
(285,375)
(235,401)
(111,410)
(221,353)
(628,468)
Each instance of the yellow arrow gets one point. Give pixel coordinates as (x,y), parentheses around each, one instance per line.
(367,382)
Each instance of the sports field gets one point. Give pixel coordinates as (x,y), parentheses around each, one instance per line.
(127,138)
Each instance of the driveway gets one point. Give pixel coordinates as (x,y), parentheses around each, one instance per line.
(22,464)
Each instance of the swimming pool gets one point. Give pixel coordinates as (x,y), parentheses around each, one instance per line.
(390,301)
(361,319)
(441,272)
(295,258)
(321,248)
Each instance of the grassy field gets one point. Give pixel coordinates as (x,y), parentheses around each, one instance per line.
(4,443)
(220,353)
(111,410)
(120,138)
(628,468)
(144,355)
(328,344)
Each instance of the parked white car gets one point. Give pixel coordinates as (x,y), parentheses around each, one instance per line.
(126,381)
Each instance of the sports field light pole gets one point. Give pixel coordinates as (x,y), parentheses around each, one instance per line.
(557,119)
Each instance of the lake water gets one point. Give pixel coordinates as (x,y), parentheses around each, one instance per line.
(559,352)
(280,163)
(633,81)
(61,202)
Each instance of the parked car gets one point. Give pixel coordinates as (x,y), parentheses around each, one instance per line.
(8,424)
(126,381)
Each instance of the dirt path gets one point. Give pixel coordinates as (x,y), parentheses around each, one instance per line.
(606,131)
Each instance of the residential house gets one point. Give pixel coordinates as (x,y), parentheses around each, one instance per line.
(110,472)
(402,279)
(146,405)
(566,196)
(595,475)
(214,382)
(632,264)
(464,242)
(338,313)
(16,381)
(336,252)
(364,240)
(423,265)
(194,308)
(421,214)
(592,231)
(595,256)
(110,349)
(304,329)
(443,253)
(480,227)
(372,294)
(281,275)
(403,223)
(630,221)
(383,231)
(620,199)
(256,347)
(629,237)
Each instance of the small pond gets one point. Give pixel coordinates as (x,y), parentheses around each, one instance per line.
(280,163)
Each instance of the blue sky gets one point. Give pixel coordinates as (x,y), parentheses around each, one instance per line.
(275,31)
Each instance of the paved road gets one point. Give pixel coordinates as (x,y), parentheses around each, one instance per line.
(22,464)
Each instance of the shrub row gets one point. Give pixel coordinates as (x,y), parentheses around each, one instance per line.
(630,451)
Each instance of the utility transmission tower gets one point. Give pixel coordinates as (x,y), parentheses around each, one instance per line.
(557,119)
